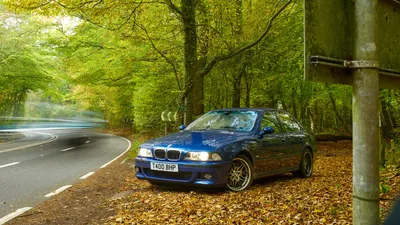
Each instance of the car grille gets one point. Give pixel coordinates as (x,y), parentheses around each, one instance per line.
(159,153)
(168,175)
(174,154)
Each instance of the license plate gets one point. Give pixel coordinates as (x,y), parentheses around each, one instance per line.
(164,167)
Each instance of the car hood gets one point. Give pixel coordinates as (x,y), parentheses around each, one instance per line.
(197,140)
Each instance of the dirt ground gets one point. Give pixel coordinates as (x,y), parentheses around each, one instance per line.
(114,196)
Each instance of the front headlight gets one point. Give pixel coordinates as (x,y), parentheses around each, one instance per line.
(203,156)
(144,152)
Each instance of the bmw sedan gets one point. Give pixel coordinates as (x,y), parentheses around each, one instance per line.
(229,147)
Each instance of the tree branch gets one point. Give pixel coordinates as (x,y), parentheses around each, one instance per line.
(41,5)
(173,6)
(162,55)
(129,17)
(217,59)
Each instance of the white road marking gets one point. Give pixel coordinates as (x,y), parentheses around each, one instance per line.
(53,138)
(129,147)
(87,142)
(67,149)
(49,128)
(61,189)
(86,176)
(10,164)
(13,215)
(25,137)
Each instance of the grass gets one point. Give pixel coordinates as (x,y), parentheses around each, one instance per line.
(137,140)
(134,149)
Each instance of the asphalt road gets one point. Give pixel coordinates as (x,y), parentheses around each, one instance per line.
(33,167)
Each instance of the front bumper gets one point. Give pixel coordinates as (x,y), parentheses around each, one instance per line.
(189,172)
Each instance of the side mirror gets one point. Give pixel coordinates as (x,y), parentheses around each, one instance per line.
(266,130)
(182,127)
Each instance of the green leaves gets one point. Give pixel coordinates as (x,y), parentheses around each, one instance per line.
(26,64)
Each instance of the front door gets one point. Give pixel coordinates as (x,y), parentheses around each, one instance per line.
(270,157)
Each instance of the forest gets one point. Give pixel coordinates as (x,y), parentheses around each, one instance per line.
(129,61)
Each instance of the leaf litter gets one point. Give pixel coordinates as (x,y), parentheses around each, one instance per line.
(324,198)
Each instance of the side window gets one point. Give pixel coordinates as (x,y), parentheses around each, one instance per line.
(290,124)
(269,119)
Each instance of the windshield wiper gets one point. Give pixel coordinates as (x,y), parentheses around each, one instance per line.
(228,127)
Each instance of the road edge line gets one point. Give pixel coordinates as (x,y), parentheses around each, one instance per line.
(58,191)
(53,138)
(10,164)
(67,149)
(14,214)
(86,176)
(129,147)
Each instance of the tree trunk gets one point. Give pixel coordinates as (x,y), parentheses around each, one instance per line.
(284,106)
(190,52)
(226,91)
(203,43)
(19,100)
(248,91)
(303,118)
(390,110)
(294,106)
(198,91)
(392,118)
(237,81)
(335,110)
(385,120)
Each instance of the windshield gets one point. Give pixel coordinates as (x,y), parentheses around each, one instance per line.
(225,120)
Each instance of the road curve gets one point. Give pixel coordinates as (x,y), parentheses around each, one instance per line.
(44,163)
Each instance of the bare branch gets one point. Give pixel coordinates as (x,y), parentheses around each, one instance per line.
(217,59)
(99,2)
(129,17)
(173,7)
(162,55)
(41,5)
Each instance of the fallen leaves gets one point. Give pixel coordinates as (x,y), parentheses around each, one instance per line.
(325,198)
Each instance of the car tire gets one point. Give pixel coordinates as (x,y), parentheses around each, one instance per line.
(306,165)
(240,175)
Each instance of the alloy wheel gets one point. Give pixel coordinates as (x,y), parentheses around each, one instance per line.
(239,175)
(308,164)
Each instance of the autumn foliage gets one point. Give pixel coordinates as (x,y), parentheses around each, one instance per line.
(325,198)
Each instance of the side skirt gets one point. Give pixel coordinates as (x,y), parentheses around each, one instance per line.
(275,172)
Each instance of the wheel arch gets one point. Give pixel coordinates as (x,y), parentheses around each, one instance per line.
(309,148)
(247,154)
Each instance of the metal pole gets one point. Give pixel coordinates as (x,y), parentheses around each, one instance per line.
(365,117)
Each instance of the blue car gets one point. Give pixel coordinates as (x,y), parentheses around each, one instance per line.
(229,147)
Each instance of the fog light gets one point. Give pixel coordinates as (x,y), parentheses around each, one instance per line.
(207,176)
